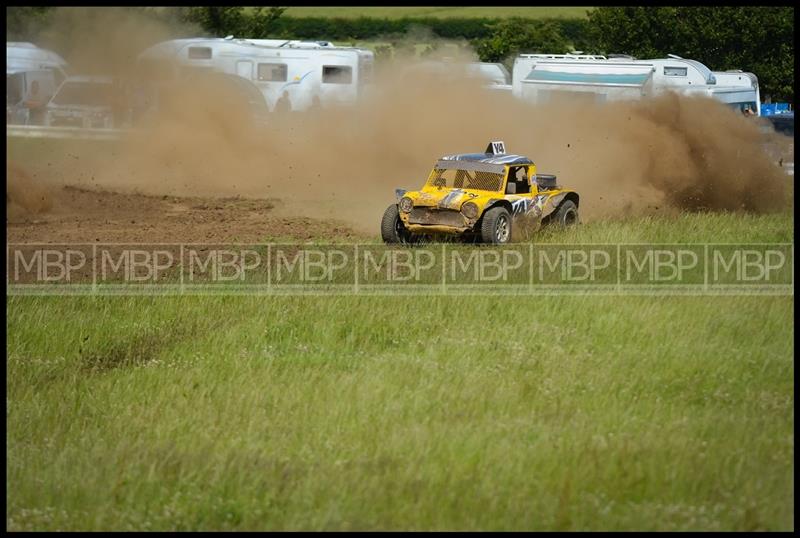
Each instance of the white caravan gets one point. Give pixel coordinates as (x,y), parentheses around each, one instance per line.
(738,89)
(27,64)
(542,78)
(23,55)
(307,73)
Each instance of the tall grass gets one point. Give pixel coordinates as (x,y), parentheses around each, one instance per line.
(609,413)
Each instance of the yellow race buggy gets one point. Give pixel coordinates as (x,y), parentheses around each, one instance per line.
(479,196)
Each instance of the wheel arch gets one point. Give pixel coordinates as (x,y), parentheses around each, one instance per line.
(497,203)
(573,197)
(490,205)
(570,196)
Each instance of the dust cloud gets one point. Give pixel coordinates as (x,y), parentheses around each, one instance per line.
(662,155)
(26,197)
(107,40)
(632,158)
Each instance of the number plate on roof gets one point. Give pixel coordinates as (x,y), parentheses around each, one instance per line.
(496,147)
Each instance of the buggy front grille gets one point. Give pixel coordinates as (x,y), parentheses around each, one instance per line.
(434,216)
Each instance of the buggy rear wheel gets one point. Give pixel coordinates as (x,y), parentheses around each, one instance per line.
(566,215)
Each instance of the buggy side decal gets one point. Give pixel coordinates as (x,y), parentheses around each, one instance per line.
(534,205)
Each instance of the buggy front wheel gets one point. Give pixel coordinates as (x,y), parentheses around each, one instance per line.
(392,228)
(496,226)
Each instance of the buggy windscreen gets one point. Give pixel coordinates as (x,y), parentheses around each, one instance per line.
(466,179)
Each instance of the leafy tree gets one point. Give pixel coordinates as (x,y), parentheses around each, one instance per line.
(756,39)
(24,22)
(516,35)
(231,20)
(263,21)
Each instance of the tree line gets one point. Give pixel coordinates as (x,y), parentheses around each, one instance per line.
(756,39)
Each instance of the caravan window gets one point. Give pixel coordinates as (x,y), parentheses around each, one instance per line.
(199,53)
(272,72)
(675,71)
(337,74)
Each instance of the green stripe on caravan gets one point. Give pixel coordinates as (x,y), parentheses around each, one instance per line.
(587,78)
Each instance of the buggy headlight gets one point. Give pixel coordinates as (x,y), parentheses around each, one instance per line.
(469,210)
(406,204)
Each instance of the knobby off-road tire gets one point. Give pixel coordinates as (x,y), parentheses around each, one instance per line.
(566,215)
(496,226)
(392,228)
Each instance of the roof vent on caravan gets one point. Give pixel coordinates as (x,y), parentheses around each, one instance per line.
(674,57)
(621,57)
(571,56)
(308,44)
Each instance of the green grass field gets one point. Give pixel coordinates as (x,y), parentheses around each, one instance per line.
(439,12)
(447,413)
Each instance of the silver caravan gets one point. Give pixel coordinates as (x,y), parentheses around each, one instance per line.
(542,78)
(292,74)
(32,76)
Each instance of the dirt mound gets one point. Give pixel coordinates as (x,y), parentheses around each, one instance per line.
(25,196)
(87,216)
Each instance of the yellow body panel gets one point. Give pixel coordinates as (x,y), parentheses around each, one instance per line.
(438,209)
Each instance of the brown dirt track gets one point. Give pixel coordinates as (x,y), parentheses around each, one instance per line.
(83,216)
